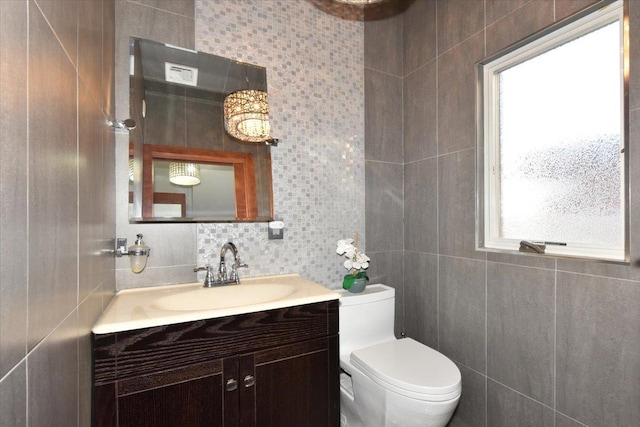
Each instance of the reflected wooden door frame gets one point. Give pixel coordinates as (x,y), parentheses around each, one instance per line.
(243,171)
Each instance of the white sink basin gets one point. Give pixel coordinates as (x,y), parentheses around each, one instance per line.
(165,305)
(223,297)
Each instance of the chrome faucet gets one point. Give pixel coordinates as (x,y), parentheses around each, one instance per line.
(223,276)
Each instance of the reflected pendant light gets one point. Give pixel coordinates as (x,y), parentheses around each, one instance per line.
(184,173)
(246,115)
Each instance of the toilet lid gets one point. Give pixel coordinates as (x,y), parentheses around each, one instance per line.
(409,368)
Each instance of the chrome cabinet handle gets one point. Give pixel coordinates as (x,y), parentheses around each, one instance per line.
(232,384)
(249,381)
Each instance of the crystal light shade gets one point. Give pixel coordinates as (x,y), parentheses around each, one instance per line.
(246,115)
(184,173)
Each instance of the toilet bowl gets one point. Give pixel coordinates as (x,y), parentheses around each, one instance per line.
(386,381)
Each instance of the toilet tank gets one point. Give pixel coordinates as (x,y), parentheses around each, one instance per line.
(366,318)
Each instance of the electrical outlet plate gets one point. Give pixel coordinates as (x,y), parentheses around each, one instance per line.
(276,230)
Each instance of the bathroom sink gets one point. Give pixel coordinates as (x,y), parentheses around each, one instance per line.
(223,297)
(164,305)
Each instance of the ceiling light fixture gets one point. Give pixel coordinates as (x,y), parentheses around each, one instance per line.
(187,174)
(246,115)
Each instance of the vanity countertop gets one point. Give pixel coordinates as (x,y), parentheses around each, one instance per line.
(164,305)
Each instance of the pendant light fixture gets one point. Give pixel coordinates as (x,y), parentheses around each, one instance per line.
(186,174)
(246,115)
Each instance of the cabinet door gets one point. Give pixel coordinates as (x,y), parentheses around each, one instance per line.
(297,385)
(185,398)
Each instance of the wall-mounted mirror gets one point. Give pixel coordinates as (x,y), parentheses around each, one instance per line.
(184,165)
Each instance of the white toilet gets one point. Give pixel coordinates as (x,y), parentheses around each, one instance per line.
(387,381)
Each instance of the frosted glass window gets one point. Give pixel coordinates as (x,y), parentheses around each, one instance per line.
(554,142)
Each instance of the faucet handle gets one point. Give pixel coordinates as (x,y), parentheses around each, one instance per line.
(239,264)
(234,270)
(209,280)
(207,268)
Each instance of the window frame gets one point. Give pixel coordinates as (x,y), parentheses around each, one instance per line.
(487,184)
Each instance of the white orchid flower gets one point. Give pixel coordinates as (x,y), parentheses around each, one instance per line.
(362,258)
(354,260)
(344,245)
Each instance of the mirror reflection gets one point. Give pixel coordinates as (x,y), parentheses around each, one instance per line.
(186,166)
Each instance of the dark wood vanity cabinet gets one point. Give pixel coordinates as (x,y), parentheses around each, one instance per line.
(274,368)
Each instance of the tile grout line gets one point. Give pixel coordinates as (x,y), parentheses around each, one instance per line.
(437,62)
(555,342)
(26,341)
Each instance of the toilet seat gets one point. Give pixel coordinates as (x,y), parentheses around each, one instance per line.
(411,369)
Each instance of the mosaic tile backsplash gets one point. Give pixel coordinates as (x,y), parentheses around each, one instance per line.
(315,80)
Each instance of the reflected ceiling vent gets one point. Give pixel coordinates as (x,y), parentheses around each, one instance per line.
(181,74)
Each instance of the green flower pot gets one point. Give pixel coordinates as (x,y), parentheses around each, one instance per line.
(355,284)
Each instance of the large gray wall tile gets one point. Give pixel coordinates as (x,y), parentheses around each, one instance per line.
(532,17)
(456,95)
(523,259)
(90,197)
(565,8)
(507,408)
(419,34)
(383,116)
(520,329)
(52,371)
(598,349)
(384,205)
(53,193)
(13,396)
(497,9)
(461,311)
(90,47)
(456,205)
(420,102)
(62,15)
(564,421)
(421,297)
(387,268)
(457,21)
(180,7)
(108,57)
(13,191)
(472,408)
(421,206)
(383,45)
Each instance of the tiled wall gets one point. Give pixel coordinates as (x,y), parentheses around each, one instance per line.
(315,83)
(384,187)
(540,342)
(56,194)
(315,79)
